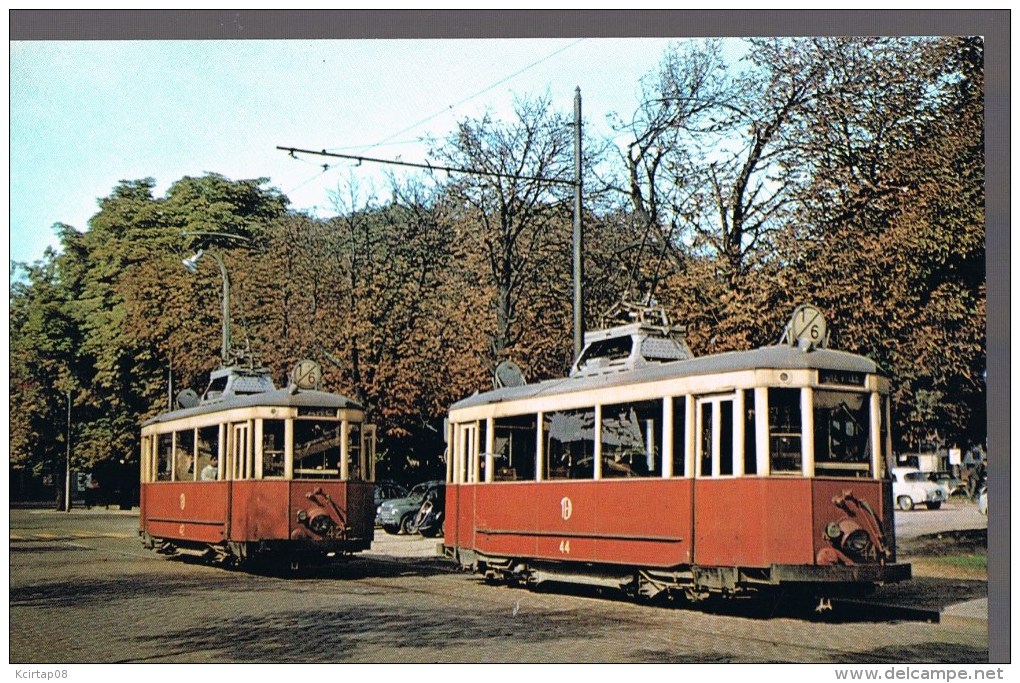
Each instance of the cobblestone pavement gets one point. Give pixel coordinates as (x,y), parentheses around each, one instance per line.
(82,589)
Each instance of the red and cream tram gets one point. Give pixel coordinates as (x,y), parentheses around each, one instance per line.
(250,471)
(656,471)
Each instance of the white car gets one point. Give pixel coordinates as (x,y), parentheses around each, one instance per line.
(912,487)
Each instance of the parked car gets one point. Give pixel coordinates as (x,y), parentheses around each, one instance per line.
(983,501)
(949,484)
(431,515)
(912,487)
(397,516)
(386,490)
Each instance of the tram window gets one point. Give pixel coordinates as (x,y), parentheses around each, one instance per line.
(316,449)
(884,431)
(184,456)
(216,387)
(354,469)
(726,438)
(706,440)
(208,446)
(784,431)
(570,449)
(632,439)
(842,422)
(750,437)
(679,434)
(164,456)
(606,351)
(273,448)
(482,459)
(515,448)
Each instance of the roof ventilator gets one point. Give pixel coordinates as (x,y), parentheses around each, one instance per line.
(633,336)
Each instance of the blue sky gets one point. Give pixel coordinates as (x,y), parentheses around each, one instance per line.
(87,114)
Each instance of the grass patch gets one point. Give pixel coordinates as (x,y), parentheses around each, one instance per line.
(975,561)
(952,566)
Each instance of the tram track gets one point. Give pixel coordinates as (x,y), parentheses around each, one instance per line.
(399,591)
(627,614)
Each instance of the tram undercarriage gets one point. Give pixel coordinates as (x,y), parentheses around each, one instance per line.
(254,554)
(689,582)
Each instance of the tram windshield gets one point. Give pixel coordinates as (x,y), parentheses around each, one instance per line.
(842,421)
(316,448)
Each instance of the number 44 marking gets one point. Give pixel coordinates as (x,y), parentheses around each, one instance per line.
(565,547)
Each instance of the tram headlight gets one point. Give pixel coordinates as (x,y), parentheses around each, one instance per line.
(322,524)
(302,516)
(858,544)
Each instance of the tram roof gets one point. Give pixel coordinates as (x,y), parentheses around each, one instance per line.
(780,357)
(276,398)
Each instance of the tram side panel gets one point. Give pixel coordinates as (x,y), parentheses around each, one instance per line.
(258,511)
(190,511)
(464,519)
(503,518)
(752,522)
(648,523)
(565,520)
(759,522)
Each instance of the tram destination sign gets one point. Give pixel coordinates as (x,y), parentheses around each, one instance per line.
(316,412)
(844,377)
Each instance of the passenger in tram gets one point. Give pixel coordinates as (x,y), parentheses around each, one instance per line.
(211,471)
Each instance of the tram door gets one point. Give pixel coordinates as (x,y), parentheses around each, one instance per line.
(466,446)
(466,461)
(719,523)
(714,440)
(240,446)
(368,450)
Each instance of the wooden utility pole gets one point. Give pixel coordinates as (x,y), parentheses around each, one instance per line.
(578,235)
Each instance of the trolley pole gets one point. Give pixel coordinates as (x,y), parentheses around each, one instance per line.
(578,235)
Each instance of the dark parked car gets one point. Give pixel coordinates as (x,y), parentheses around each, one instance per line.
(386,490)
(398,516)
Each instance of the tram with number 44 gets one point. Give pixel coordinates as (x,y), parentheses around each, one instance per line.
(664,474)
(248,472)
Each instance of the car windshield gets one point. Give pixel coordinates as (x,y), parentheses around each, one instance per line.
(418,492)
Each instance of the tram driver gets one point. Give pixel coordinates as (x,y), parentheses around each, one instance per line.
(211,471)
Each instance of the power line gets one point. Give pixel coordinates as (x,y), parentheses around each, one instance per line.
(293,151)
(471,97)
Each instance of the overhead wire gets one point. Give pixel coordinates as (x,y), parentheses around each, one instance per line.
(389,138)
(469,97)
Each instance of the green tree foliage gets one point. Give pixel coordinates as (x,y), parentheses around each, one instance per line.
(42,342)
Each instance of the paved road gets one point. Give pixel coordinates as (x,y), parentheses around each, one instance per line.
(957,514)
(83,590)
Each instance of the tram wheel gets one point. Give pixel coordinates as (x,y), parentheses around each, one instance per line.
(904,503)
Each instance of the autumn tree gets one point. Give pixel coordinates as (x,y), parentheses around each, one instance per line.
(892,238)
(506,207)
